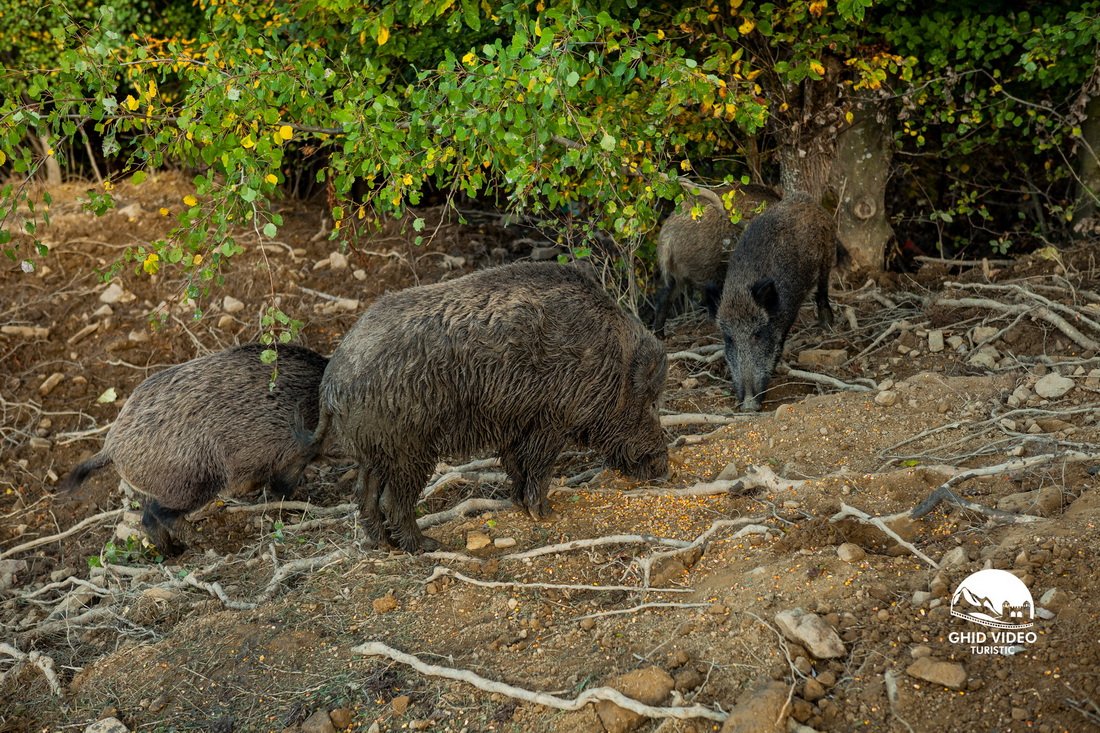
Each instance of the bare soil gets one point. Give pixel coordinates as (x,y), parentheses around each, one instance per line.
(136,640)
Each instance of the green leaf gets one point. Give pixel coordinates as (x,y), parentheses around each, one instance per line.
(270,230)
(608,142)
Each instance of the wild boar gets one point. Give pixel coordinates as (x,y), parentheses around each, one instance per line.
(789,249)
(522,359)
(692,253)
(195,429)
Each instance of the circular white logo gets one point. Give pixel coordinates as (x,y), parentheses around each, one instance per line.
(994,598)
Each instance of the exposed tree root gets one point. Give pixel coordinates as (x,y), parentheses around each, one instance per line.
(693,418)
(748,525)
(378,649)
(441,571)
(615,539)
(1042,313)
(470,506)
(35,659)
(825,379)
(639,607)
(864,518)
(95,518)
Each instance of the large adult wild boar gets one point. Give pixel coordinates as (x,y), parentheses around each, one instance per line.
(522,359)
(213,423)
(783,254)
(692,252)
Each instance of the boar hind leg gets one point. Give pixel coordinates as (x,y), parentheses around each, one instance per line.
(283,484)
(158,521)
(401,490)
(821,299)
(529,463)
(368,492)
(662,304)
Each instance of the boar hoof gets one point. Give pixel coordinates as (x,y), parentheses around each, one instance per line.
(543,512)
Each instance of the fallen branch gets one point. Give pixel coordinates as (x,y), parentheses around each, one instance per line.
(703,488)
(1027,293)
(824,379)
(694,418)
(470,506)
(646,564)
(709,358)
(639,607)
(441,571)
(1042,313)
(34,658)
(291,506)
(62,535)
(944,493)
(864,518)
(378,649)
(615,539)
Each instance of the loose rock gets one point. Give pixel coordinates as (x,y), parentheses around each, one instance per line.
(318,723)
(504,542)
(763,709)
(1039,502)
(948,674)
(650,686)
(400,704)
(886,398)
(935,341)
(477,540)
(849,552)
(1053,386)
(107,725)
(955,557)
(232,305)
(338,261)
(809,630)
(341,718)
(385,604)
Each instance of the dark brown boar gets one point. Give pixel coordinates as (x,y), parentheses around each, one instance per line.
(692,253)
(784,253)
(193,430)
(522,359)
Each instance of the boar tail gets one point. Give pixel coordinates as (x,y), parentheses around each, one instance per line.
(84,470)
(311,442)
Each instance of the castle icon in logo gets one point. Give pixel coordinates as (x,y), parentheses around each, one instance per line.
(994,598)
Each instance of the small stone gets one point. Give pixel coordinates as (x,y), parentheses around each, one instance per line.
(114,294)
(320,264)
(948,674)
(886,398)
(986,357)
(883,615)
(827,679)
(1053,600)
(421,724)
(689,383)
(587,624)
(138,337)
(920,597)
(935,341)
(385,604)
(729,473)
(803,665)
(978,334)
(850,553)
(338,261)
(676,659)
(341,718)
(1008,424)
(107,725)
(1092,381)
(809,630)
(1053,386)
(544,254)
(956,556)
(232,305)
(40,444)
(1038,502)
(650,686)
(477,540)
(822,357)
(920,651)
(318,723)
(360,275)
(103,311)
(63,574)
(812,690)
(955,342)
(1054,425)
(1019,714)
(761,709)
(504,542)
(49,383)
(400,704)
(687,679)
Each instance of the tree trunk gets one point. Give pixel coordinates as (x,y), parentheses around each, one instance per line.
(859,174)
(1088,170)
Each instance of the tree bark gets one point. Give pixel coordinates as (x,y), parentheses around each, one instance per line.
(860,171)
(1088,169)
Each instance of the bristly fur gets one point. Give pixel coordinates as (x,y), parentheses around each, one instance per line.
(784,253)
(523,359)
(193,430)
(692,253)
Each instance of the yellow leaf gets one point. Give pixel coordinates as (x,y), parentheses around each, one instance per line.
(469,58)
(271,178)
(685,164)
(151,263)
(735,4)
(163,211)
(108,185)
(248,142)
(538,29)
(660,34)
(286,132)
(196,260)
(151,90)
(817,7)
(3,157)
(746,27)
(817,68)
(848,117)
(383,35)
(190,200)
(407,179)
(130,102)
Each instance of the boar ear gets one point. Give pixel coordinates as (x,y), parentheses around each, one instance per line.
(712,296)
(648,366)
(764,293)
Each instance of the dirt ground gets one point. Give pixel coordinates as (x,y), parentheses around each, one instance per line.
(253,628)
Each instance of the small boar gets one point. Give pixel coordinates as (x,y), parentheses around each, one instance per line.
(784,252)
(692,253)
(523,359)
(209,424)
